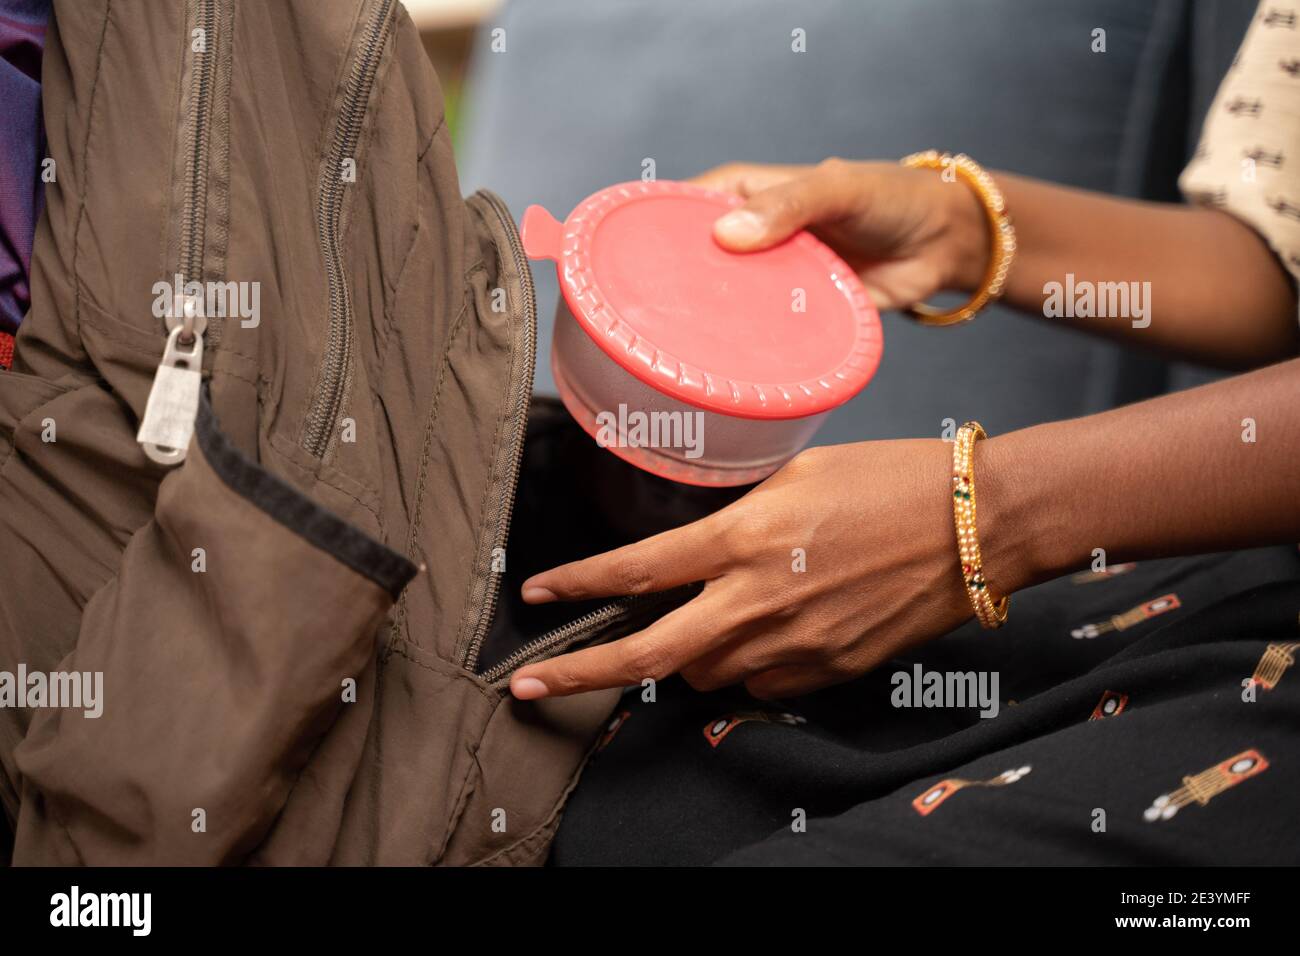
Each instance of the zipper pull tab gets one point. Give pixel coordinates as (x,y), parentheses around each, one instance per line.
(173,403)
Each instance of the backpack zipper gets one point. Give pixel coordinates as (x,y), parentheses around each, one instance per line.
(168,420)
(574,631)
(490,586)
(335,378)
(195,213)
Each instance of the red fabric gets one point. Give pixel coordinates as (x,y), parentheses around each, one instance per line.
(6,349)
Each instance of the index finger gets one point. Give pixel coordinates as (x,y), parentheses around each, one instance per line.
(680,556)
(662,649)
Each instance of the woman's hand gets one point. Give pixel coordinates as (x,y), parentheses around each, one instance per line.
(906,232)
(910,233)
(839,561)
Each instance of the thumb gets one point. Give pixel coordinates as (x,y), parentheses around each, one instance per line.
(775,214)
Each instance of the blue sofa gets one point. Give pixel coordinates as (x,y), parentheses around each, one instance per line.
(585,92)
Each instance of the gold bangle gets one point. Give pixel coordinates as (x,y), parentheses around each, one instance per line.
(1002,236)
(990,612)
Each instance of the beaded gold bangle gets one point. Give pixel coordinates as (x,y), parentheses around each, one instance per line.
(989,612)
(1002,236)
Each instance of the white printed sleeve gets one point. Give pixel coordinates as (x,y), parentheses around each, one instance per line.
(1248,159)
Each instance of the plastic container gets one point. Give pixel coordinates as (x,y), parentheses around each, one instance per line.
(694,363)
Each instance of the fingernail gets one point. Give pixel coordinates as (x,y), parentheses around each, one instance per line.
(740,226)
(537,595)
(528,688)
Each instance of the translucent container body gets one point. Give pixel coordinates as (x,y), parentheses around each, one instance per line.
(661,434)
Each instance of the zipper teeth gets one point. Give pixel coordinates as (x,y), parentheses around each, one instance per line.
(327,404)
(522,399)
(603,615)
(195,211)
(616,610)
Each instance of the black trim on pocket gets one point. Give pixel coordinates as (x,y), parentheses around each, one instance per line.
(291,508)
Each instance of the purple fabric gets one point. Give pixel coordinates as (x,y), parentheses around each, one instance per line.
(22,148)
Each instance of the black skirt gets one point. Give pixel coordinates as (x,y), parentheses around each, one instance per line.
(1149,714)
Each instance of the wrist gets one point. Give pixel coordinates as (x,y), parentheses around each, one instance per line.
(1025,531)
(969,245)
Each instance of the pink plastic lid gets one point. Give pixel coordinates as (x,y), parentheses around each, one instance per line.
(783,333)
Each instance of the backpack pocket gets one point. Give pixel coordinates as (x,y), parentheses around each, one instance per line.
(239,629)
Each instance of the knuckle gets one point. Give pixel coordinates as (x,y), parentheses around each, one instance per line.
(760,600)
(806,461)
(789,206)
(797,467)
(700,680)
(560,678)
(728,532)
(761,531)
(850,666)
(570,582)
(774,604)
(836,170)
(840,671)
(633,576)
(649,658)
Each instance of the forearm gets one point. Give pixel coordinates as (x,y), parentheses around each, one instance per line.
(1169,476)
(1216,292)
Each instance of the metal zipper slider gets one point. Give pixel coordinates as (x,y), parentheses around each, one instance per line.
(173,401)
